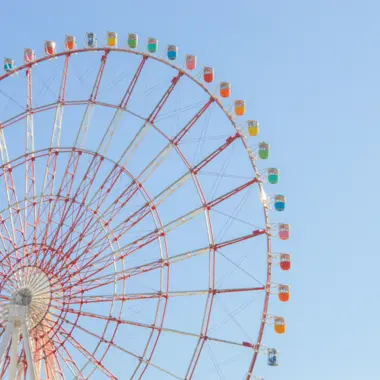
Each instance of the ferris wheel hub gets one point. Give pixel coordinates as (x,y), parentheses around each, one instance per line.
(32,290)
(23,297)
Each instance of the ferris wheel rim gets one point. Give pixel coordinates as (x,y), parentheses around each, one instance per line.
(224,110)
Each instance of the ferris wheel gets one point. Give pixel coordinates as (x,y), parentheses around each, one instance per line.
(135,239)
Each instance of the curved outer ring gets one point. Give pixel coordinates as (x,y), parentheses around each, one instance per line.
(229,115)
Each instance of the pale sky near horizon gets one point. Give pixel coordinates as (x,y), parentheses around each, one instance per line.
(310,71)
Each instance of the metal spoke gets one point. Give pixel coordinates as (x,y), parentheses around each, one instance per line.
(99,365)
(18,232)
(30,216)
(154,295)
(158,328)
(45,211)
(133,145)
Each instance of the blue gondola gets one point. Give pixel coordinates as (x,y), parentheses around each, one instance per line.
(279,202)
(273,357)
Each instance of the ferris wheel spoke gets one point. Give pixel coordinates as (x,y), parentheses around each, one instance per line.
(105,188)
(124,227)
(5,362)
(113,344)
(57,128)
(64,191)
(30,167)
(50,354)
(47,352)
(209,205)
(92,282)
(133,145)
(96,348)
(79,347)
(46,327)
(38,352)
(68,360)
(96,316)
(18,232)
(217,366)
(159,159)
(115,122)
(45,205)
(182,133)
(44,213)
(10,286)
(106,261)
(6,260)
(154,295)
(7,241)
(53,367)
(85,124)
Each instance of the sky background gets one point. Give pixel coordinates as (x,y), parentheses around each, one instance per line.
(309,71)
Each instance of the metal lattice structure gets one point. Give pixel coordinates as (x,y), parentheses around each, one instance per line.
(124,218)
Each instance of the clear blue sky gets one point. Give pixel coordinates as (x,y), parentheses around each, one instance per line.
(309,70)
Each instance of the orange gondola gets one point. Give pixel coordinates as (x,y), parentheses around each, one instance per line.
(240,107)
(284,293)
(225,89)
(279,325)
(70,42)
